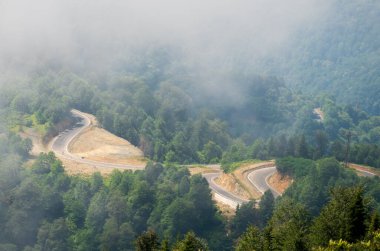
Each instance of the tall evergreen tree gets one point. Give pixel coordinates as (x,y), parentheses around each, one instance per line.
(250,240)
(344,217)
(302,148)
(288,228)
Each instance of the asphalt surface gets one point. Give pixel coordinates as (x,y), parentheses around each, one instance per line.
(226,196)
(259,179)
(60,144)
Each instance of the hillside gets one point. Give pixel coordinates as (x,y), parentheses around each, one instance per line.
(189,125)
(339,56)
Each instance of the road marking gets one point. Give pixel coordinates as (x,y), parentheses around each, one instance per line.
(263,187)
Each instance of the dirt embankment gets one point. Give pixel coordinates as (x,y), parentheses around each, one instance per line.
(280,183)
(74,168)
(37,140)
(242,175)
(97,144)
(227,211)
(231,184)
(93,143)
(364,168)
(100,145)
(237,182)
(224,209)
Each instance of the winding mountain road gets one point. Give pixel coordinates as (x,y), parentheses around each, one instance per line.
(221,194)
(259,179)
(60,144)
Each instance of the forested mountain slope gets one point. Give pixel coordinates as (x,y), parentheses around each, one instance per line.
(340,55)
(243,83)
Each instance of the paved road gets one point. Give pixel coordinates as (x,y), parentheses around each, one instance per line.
(60,144)
(222,194)
(259,179)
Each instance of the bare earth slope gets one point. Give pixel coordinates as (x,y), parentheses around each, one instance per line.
(238,183)
(364,170)
(280,183)
(231,184)
(38,145)
(87,149)
(100,145)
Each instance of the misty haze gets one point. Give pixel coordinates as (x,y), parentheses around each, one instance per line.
(189,125)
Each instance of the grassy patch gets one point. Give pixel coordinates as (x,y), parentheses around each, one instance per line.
(41,128)
(230,167)
(17,122)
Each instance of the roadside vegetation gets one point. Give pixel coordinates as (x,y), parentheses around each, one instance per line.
(44,208)
(163,120)
(113,212)
(178,115)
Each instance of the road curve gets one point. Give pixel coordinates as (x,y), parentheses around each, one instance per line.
(259,179)
(222,194)
(60,144)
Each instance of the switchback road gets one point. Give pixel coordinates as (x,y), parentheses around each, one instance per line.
(221,194)
(60,145)
(259,179)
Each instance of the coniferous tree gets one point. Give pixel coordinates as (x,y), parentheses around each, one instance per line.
(191,243)
(344,217)
(266,207)
(302,148)
(147,241)
(288,227)
(251,240)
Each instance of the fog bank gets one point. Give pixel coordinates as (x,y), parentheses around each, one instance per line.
(217,32)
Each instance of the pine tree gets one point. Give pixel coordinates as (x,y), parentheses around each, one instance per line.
(191,243)
(251,240)
(344,217)
(288,227)
(302,148)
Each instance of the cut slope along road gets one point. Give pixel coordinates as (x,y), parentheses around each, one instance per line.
(60,144)
(259,179)
(222,194)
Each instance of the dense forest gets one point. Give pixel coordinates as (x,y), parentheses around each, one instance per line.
(45,209)
(312,106)
(339,56)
